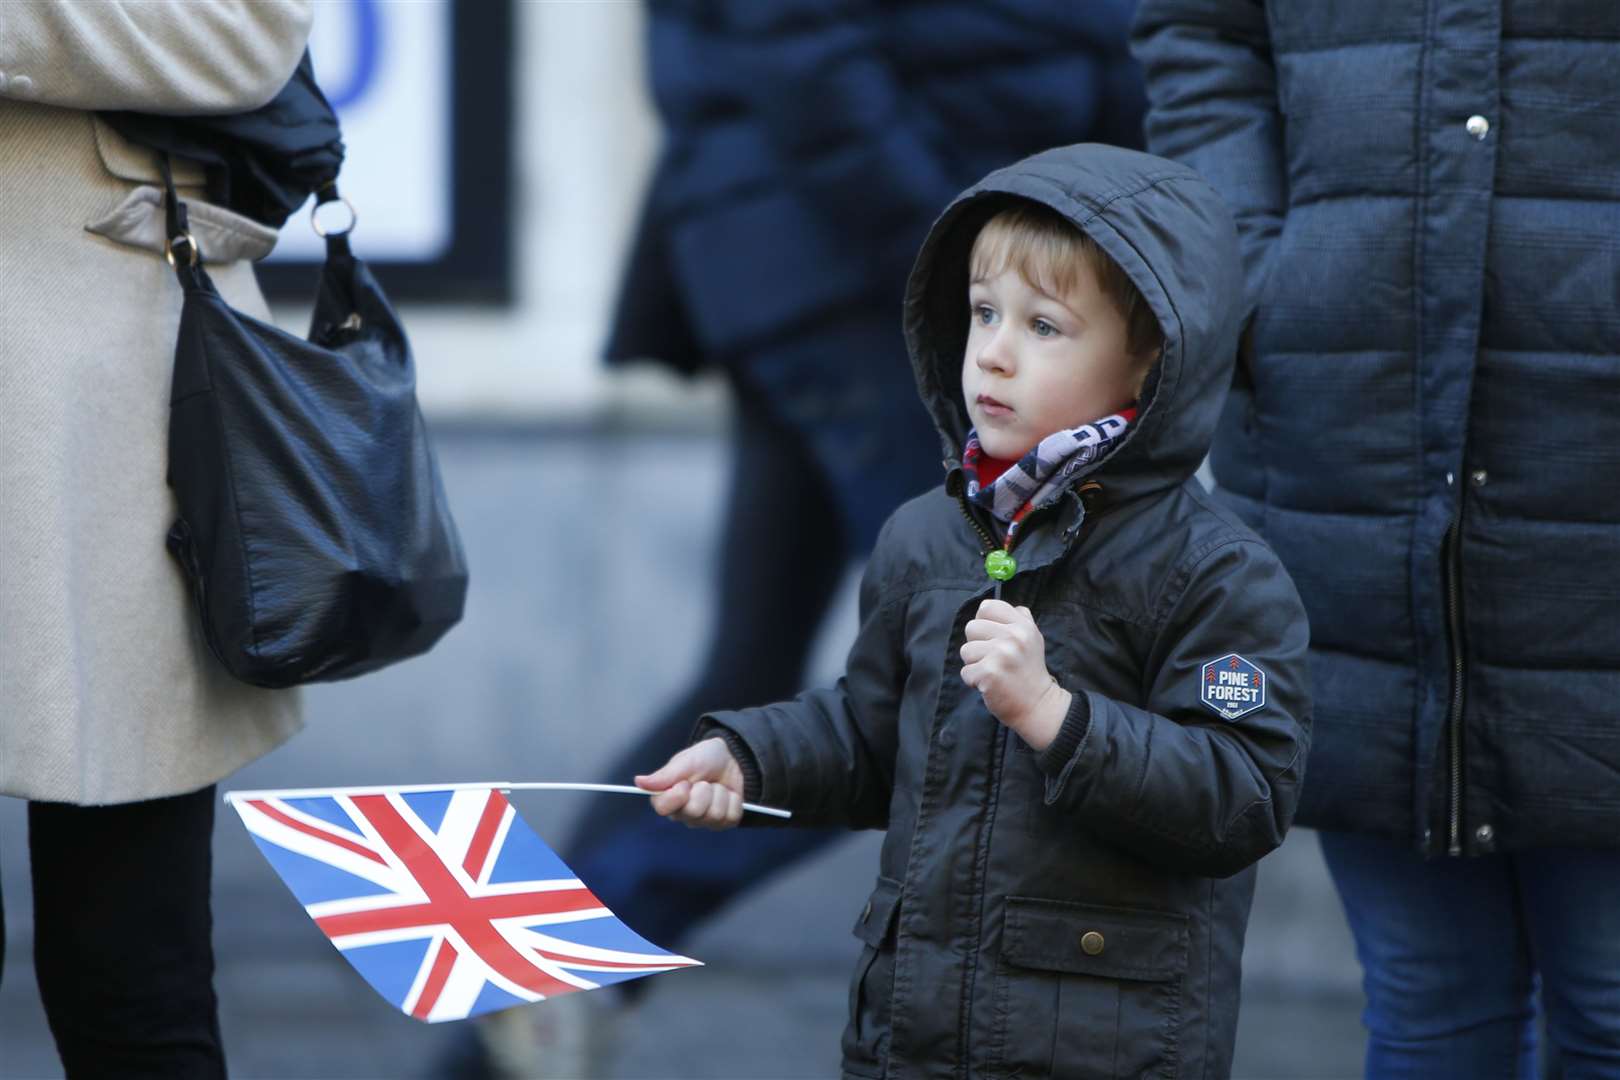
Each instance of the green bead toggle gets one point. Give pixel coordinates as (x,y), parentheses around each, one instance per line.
(1000,565)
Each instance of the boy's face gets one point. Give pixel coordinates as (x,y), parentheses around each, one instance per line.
(1036,364)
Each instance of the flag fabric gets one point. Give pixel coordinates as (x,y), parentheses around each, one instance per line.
(444,900)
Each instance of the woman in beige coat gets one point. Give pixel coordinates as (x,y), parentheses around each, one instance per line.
(115,722)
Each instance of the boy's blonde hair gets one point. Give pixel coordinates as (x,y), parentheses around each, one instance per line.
(1047,250)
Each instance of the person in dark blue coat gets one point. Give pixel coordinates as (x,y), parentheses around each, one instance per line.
(808,146)
(1425,429)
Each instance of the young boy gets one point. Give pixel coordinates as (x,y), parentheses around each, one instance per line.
(1077,701)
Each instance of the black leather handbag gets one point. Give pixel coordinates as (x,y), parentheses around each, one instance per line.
(313,526)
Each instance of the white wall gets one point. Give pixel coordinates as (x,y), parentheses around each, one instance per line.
(584,135)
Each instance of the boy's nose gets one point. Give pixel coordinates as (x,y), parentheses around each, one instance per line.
(994,356)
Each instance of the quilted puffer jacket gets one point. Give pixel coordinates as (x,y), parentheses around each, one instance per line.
(1427,426)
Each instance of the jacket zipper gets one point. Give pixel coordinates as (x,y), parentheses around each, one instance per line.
(990,545)
(978,526)
(998,744)
(1454,719)
(984,534)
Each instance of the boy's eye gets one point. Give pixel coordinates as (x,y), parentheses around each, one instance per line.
(1043,328)
(984,313)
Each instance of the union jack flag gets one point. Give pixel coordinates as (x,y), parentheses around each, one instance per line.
(444,900)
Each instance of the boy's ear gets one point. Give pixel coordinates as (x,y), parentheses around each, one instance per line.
(1143,364)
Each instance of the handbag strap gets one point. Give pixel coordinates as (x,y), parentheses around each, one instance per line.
(179,246)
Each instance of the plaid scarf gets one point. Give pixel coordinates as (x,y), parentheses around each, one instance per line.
(1041,475)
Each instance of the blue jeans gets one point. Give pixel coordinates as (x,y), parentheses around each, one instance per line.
(1453,950)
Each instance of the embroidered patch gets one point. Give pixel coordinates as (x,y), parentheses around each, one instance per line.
(1233,687)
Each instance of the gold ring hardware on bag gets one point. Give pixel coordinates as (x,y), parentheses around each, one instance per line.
(315,221)
(191,244)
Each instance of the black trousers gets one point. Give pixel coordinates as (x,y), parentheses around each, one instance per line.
(123,930)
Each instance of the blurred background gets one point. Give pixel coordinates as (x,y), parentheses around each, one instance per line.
(499,157)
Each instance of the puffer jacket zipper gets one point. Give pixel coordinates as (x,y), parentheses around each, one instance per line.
(1454,719)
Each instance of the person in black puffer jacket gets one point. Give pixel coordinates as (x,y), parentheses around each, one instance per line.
(1425,429)
(1078,699)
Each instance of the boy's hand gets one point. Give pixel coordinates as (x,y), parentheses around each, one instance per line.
(1004,659)
(701,787)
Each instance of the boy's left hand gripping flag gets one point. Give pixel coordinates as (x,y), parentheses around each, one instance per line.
(445,901)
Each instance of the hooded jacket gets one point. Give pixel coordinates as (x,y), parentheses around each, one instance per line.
(1078,912)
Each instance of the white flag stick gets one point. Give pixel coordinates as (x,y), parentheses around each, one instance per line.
(627,789)
(500,785)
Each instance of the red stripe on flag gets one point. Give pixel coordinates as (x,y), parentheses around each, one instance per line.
(320,834)
(442,963)
(658,963)
(484,835)
(438,910)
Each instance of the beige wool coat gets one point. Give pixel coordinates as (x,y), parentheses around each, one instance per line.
(107,692)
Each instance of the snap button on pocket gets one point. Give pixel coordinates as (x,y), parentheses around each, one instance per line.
(1091,943)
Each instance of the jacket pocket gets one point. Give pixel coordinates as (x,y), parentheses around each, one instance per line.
(1088,992)
(866,1037)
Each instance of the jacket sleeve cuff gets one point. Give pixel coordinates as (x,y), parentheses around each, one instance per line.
(1058,757)
(753,777)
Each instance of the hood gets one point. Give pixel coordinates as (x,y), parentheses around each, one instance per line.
(1170,232)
